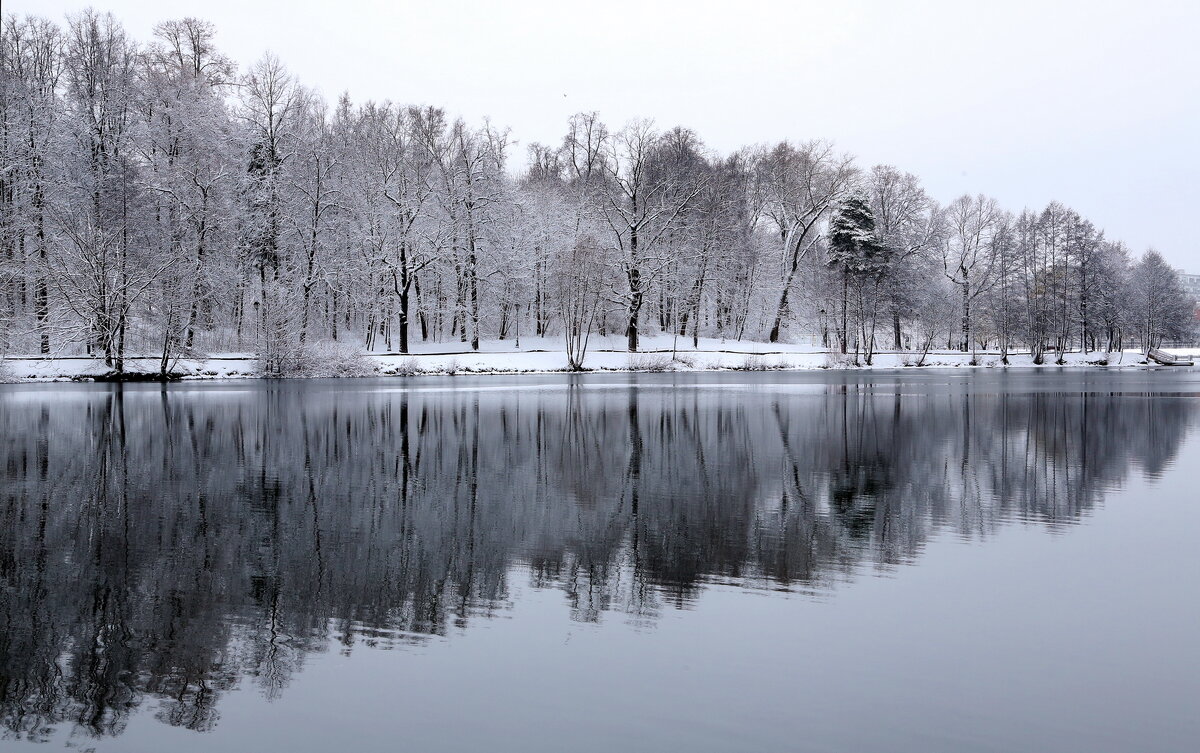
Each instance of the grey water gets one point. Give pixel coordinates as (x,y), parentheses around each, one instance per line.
(927,561)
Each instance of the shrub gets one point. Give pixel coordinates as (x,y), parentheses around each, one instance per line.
(836,360)
(649,362)
(405,367)
(328,358)
(753,362)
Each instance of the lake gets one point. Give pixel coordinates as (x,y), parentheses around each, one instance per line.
(934,560)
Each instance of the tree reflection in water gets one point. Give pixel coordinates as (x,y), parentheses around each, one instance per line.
(164,546)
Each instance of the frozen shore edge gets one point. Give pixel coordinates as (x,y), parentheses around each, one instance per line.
(742,356)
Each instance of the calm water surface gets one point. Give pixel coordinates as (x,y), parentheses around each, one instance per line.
(911,561)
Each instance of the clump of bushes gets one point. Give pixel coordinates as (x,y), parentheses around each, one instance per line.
(649,362)
(328,358)
(835,360)
(405,367)
(753,362)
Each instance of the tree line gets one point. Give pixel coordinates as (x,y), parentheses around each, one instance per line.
(156,199)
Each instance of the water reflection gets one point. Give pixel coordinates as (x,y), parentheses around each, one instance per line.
(161,547)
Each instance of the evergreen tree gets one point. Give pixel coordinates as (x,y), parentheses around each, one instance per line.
(862,260)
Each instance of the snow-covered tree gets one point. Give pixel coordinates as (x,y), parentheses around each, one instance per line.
(969,256)
(1159,309)
(157,199)
(794,189)
(862,261)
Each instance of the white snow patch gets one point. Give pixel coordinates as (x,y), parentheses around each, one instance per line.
(546,355)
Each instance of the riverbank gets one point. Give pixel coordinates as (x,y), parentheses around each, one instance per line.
(546,355)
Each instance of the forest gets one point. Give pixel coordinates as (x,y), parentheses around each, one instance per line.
(157,198)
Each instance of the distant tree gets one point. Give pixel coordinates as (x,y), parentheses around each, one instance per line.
(862,260)
(103,268)
(580,285)
(644,202)
(188,146)
(1112,299)
(969,256)
(1159,308)
(31,66)
(910,224)
(271,106)
(794,189)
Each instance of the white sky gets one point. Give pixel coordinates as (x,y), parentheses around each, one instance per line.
(1096,104)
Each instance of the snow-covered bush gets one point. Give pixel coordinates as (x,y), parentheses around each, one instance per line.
(835,360)
(753,362)
(649,362)
(406,367)
(329,358)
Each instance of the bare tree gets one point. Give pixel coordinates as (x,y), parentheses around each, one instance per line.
(271,105)
(31,63)
(1159,309)
(968,254)
(794,189)
(100,220)
(910,224)
(643,205)
(186,145)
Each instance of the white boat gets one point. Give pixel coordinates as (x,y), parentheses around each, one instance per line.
(1164,358)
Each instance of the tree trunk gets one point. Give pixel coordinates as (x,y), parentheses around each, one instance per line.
(966,314)
(41,298)
(635,306)
(635,287)
(845,314)
(787,286)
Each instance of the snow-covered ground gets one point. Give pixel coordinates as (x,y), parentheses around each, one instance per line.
(541,355)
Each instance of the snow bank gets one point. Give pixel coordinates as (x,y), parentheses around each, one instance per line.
(545,355)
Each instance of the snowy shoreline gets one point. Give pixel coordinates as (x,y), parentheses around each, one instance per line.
(540,356)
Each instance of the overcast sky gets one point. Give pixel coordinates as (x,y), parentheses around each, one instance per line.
(1096,104)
